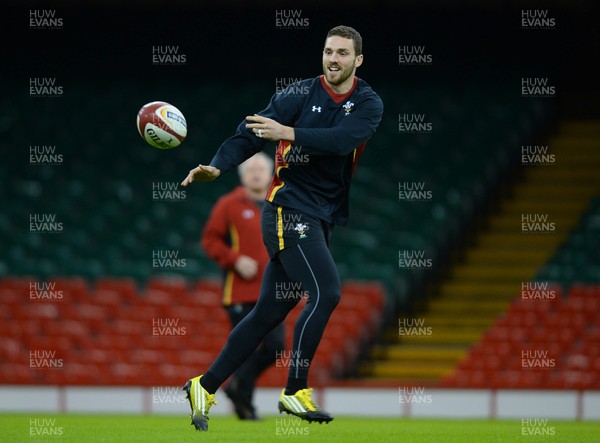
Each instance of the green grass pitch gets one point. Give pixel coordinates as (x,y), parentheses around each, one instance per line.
(62,428)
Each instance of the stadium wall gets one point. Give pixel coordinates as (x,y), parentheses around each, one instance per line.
(380,402)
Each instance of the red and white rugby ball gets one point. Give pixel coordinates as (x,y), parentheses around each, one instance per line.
(162,125)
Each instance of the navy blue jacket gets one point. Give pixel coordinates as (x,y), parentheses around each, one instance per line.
(313,173)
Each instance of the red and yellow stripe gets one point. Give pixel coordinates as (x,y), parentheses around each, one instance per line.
(282,150)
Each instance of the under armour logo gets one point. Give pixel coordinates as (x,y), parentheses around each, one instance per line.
(316,109)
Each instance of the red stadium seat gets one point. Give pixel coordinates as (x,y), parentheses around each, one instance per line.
(107,297)
(567,329)
(583,291)
(175,286)
(104,332)
(209,286)
(19,284)
(74,288)
(206,298)
(12,296)
(127,287)
(156,297)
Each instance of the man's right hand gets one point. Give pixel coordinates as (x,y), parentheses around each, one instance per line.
(246,267)
(201,173)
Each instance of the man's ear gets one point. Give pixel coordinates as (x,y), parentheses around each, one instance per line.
(359,60)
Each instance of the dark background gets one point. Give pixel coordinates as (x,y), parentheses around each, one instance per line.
(236,41)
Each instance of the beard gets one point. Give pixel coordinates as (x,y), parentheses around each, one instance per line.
(339,77)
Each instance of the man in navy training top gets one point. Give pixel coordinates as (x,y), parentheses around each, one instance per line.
(322,126)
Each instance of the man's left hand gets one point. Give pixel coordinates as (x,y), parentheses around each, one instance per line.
(269,129)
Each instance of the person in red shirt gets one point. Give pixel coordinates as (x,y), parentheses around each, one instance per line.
(232,237)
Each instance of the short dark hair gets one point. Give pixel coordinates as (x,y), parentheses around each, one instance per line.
(350,33)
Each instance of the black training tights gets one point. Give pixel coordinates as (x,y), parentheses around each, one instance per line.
(308,266)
